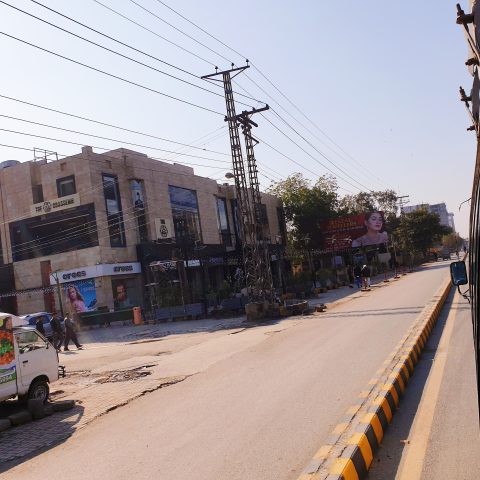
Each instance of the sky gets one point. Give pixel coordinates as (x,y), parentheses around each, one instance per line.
(367,91)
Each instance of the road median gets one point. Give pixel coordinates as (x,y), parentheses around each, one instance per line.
(351,447)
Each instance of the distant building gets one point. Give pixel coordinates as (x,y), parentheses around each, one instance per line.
(446,218)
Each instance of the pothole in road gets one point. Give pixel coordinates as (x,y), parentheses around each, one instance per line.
(124,376)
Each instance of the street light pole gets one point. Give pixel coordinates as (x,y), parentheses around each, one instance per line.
(59,292)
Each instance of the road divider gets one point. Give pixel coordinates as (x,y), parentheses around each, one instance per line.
(351,447)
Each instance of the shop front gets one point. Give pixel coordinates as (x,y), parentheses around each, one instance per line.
(110,285)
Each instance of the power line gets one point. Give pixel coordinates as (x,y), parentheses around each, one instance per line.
(108,124)
(272,84)
(121,43)
(110,139)
(320,152)
(295,162)
(152,32)
(308,153)
(179,30)
(93,146)
(158,92)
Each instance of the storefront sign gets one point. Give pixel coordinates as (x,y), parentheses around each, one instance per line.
(102,270)
(56,205)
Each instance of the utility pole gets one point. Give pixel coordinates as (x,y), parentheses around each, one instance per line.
(256,259)
(59,292)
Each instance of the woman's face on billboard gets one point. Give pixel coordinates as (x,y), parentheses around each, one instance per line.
(374,221)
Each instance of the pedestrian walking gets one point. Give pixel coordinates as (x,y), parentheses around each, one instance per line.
(357,272)
(70,334)
(365,274)
(57,331)
(39,325)
(351,275)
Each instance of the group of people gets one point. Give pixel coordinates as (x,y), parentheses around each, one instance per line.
(61,335)
(362,275)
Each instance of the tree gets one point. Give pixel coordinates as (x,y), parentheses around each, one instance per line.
(384,201)
(307,206)
(419,230)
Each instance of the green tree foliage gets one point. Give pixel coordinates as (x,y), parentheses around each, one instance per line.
(453,241)
(384,201)
(419,230)
(307,205)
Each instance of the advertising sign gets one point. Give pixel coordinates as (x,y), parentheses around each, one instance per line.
(356,231)
(80,296)
(93,271)
(56,205)
(137,194)
(8,372)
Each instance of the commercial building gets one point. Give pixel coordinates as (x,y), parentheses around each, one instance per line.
(446,218)
(93,224)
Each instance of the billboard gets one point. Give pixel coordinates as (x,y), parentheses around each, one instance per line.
(80,296)
(357,230)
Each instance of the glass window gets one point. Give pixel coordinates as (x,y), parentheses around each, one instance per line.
(139,208)
(186,219)
(37,192)
(261,213)
(113,206)
(223,225)
(57,232)
(28,341)
(66,186)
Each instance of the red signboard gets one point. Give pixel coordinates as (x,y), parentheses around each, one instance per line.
(354,231)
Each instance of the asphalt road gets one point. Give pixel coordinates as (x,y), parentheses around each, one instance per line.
(436,432)
(260,412)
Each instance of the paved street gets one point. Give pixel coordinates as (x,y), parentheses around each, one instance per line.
(435,433)
(236,402)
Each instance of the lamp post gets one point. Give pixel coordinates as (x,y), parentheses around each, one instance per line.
(59,291)
(306,240)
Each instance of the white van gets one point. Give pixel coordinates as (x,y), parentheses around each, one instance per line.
(28,361)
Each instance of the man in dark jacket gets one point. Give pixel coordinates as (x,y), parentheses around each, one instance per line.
(57,331)
(365,274)
(39,325)
(70,334)
(357,271)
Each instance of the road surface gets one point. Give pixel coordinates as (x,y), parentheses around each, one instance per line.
(256,404)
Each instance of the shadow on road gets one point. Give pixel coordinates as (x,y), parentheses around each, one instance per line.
(23,442)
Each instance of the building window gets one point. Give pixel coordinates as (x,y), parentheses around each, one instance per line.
(282,227)
(37,193)
(223,225)
(261,214)
(236,221)
(54,233)
(186,219)
(113,207)
(66,186)
(139,208)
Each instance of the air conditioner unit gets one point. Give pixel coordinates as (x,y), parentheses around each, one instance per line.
(163,229)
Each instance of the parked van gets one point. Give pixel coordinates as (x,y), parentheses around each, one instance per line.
(28,361)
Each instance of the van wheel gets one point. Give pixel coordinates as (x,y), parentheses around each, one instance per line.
(39,390)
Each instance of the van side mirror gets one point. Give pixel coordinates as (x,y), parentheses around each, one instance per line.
(458,273)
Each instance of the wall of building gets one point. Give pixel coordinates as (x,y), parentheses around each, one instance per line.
(16,200)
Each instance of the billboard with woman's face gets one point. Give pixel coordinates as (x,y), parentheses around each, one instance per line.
(80,296)
(357,230)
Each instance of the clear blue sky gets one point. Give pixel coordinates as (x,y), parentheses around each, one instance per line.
(379,78)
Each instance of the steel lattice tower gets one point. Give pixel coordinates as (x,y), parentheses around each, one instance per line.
(256,259)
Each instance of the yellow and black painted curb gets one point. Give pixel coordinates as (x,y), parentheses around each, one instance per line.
(365,423)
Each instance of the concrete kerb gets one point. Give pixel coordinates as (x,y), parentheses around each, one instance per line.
(350,449)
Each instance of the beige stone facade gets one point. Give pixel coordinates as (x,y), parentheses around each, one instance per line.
(24,184)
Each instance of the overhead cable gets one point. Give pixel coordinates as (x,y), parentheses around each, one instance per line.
(131,82)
